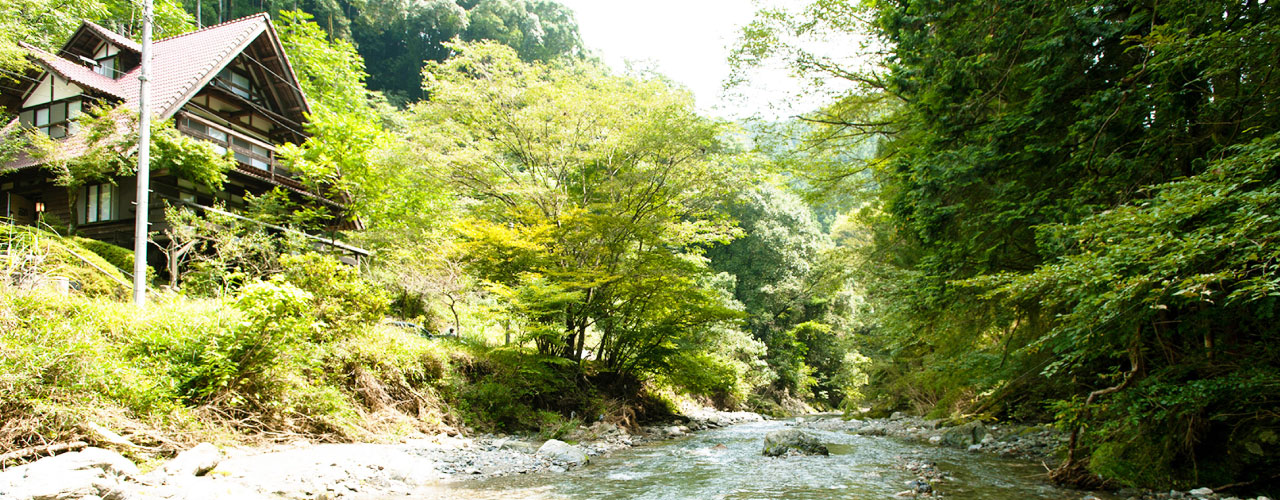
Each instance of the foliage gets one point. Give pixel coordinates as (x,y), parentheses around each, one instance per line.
(1198,249)
(341,299)
(791,301)
(30,256)
(111,136)
(1065,203)
(400,35)
(121,258)
(213,253)
(352,154)
(591,193)
(46,24)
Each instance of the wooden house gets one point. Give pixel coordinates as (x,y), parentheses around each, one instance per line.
(229,84)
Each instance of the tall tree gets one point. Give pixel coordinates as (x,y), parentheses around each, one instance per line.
(1006,119)
(593,193)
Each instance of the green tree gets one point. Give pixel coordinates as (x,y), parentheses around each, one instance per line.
(1003,122)
(596,189)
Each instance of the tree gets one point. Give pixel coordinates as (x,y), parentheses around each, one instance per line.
(1007,122)
(111,136)
(598,190)
(777,283)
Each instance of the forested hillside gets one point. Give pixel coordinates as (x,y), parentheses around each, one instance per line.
(1070,213)
(1063,212)
(576,241)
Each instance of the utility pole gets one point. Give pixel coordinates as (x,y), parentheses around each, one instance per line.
(144,164)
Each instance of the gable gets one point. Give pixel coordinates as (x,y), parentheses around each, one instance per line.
(51,88)
(93,46)
(186,64)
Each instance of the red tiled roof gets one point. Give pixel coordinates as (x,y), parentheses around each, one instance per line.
(180,66)
(76,73)
(113,37)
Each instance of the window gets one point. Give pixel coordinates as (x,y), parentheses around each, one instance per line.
(238,83)
(106,67)
(246,151)
(53,120)
(251,154)
(97,203)
(216,136)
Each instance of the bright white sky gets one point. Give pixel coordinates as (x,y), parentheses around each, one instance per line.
(687,40)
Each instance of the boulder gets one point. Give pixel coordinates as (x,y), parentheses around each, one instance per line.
(194,462)
(561,451)
(778,443)
(88,473)
(964,436)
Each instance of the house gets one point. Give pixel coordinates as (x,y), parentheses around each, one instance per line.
(229,84)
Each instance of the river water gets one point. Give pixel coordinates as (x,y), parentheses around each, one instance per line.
(726,464)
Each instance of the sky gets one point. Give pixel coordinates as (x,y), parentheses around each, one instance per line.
(688,41)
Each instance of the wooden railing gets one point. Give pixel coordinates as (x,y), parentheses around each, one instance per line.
(249,151)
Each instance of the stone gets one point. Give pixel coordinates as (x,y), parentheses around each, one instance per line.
(920,486)
(561,451)
(897,415)
(935,439)
(196,461)
(107,436)
(1201,492)
(963,436)
(87,473)
(778,443)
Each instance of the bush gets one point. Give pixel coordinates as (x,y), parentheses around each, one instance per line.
(341,298)
(33,253)
(121,258)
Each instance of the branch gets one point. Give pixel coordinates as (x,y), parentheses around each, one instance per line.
(50,449)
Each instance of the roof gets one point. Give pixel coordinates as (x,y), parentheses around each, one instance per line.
(110,36)
(75,73)
(181,65)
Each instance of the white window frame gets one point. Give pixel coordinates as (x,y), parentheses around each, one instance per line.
(99,203)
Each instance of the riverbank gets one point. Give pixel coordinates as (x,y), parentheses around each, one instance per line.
(1036,443)
(303,470)
(1040,443)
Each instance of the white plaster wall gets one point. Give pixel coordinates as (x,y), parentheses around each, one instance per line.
(52,88)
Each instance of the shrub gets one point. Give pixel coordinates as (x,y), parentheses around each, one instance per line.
(32,252)
(121,258)
(342,299)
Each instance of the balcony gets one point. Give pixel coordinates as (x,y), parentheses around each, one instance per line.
(251,153)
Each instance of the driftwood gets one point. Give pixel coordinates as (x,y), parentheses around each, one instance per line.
(49,449)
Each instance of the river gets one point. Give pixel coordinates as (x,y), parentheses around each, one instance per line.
(726,464)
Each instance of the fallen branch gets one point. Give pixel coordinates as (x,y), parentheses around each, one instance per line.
(51,449)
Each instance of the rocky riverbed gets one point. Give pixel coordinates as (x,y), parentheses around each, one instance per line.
(676,462)
(302,470)
(1034,442)
(1039,443)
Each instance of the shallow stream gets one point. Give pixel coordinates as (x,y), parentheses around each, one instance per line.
(726,464)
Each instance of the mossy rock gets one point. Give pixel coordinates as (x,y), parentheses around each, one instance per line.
(965,435)
(778,443)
